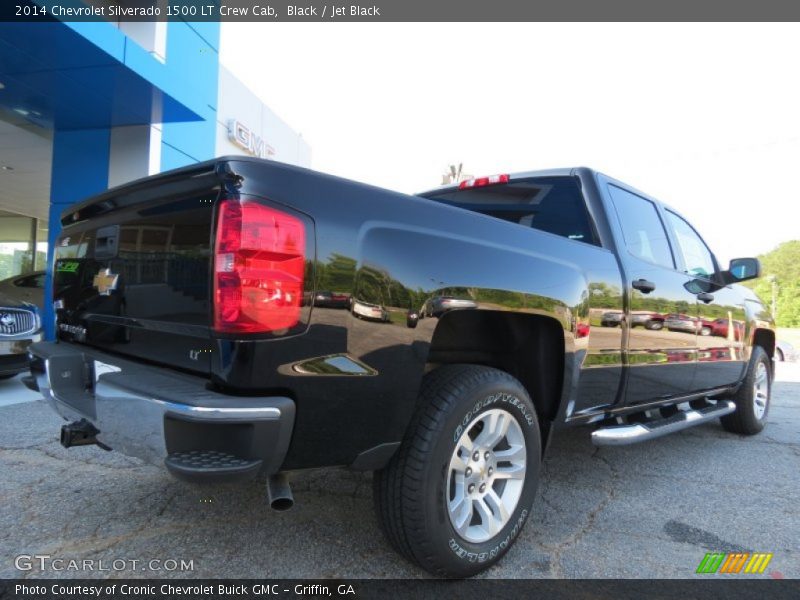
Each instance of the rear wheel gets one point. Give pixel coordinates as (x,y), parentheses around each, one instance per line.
(753,397)
(457,493)
(779,355)
(654,325)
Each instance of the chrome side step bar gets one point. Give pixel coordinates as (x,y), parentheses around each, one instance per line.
(621,435)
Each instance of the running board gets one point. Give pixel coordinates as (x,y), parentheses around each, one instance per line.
(621,435)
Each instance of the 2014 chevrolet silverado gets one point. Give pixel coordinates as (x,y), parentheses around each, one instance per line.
(188,335)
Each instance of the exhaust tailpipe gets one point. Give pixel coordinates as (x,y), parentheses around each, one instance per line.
(279,493)
(81,433)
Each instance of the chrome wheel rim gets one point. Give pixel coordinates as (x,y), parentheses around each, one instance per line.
(486,475)
(760,391)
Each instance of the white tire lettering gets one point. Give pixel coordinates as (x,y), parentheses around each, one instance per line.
(483,556)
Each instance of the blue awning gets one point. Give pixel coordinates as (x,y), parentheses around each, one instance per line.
(55,76)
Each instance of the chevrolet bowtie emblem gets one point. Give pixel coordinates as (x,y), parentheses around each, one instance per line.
(105,282)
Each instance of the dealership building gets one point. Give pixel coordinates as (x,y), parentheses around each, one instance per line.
(87,106)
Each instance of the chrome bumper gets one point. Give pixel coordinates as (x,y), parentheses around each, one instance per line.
(149,413)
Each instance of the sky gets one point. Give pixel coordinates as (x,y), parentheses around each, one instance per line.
(705,117)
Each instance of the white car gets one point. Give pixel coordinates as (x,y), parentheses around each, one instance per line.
(365,310)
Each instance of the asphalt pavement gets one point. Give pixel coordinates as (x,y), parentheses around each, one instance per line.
(649,510)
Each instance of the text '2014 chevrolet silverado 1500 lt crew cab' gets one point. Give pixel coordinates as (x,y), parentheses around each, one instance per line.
(196,328)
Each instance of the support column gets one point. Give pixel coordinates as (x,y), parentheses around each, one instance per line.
(80,169)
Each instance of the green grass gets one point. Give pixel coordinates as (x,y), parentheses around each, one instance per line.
(397,317)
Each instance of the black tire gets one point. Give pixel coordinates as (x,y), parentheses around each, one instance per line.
(744,420)
(410,492)
(8,376)
(779,355)
(654,325)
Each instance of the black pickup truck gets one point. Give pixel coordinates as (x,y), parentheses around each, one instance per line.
(242,317)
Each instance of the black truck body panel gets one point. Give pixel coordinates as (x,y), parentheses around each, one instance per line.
(353,368)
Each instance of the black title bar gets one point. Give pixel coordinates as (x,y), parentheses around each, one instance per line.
(399,10)
(708,587)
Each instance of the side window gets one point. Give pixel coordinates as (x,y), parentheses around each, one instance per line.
(645,236)
(697,258)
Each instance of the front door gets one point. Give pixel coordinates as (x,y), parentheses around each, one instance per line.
(721,313)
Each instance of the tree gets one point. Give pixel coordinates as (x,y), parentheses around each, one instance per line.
(784,263)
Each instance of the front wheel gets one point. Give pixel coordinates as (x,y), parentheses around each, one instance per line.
(456,495)
(654,325)
(753,397)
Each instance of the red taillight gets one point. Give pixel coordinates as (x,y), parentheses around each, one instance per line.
(483,181)
(259,264)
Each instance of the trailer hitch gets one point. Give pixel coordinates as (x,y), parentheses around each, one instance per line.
(81,433)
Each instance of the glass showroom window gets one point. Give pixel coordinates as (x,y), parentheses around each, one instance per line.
(17,239)
(41,245)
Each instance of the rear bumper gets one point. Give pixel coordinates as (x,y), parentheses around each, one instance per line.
(152,413)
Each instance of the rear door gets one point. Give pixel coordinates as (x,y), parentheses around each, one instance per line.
(660,362)
(135,281)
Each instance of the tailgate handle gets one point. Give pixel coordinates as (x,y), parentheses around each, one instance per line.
(106,242)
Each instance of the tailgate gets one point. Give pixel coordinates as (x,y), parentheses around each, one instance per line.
(131,275)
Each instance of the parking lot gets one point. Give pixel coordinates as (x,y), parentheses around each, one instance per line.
(649,510)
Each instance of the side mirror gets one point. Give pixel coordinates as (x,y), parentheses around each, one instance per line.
(742,269)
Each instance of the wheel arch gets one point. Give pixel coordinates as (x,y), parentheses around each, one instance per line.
(529,347)
(766,339)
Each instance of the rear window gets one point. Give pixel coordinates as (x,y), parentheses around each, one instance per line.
(551,204)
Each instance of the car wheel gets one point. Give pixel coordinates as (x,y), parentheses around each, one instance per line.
(705,331)
(458,492)
(654,325)
(752,398)
(779,355)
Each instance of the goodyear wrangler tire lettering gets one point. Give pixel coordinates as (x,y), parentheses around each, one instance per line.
(513,400)
(493,553)
(460,406)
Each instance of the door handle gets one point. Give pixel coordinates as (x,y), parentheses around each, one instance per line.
(643,286)
(705,297)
